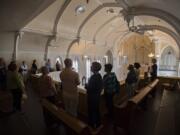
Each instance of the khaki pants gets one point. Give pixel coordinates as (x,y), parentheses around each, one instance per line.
(71,104)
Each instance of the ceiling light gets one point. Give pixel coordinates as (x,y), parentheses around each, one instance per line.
(85,56)
(157,56)
(151,55)
(80,9)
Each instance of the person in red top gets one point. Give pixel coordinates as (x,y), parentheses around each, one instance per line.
(47,90)
(46,86)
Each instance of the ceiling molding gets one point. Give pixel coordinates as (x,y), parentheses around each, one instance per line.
(60,13)
(57,20)
(102,26)
(87,19)
(167,17)
(163,29)
(153,27)
(104,5)
(70,46)
(120,35)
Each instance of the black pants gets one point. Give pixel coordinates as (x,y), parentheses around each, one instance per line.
(93,110)
(109,103)
(17,96)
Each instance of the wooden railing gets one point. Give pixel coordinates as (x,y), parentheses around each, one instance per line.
(124,112)
(77,126)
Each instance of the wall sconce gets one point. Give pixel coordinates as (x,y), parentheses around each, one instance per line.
(85,56)
(151,55)
(157,56)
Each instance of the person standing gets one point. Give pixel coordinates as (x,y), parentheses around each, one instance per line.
(2,74)
(137,71)
(16,85)
(94,88)
(46,86)
(153,69)
(110,83)
(48,65)
(24,68)
(58,66)
(130,81)
(70,81)
(34,67)
(47,91)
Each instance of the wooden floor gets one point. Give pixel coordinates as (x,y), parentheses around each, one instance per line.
(161,117)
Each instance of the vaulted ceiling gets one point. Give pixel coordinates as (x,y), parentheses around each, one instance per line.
(101,24)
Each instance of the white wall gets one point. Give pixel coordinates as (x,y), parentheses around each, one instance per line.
(6,45)
(32,46)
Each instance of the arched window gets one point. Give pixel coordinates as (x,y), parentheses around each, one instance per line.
(88,68)
(168,59)
(59,59)
(99,61)
(76,65)
(109,57)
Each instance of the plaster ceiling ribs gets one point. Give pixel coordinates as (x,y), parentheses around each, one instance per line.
(41,8)
(173,21)
(57,20)
(104,5)
(163,29)
(102,26)
(120,35)
(169,18)
(153,27)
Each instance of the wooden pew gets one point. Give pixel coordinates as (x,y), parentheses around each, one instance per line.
(124,112)
(77,126)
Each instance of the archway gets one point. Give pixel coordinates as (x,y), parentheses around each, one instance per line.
(168,62)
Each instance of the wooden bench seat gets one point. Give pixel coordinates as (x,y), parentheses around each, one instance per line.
(124,112)
(76,125)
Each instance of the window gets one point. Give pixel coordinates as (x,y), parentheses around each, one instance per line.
(76,65)
(88,68)
(59,59)
(99,61)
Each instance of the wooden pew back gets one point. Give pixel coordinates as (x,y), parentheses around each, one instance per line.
(144,92)
(124,112)
(71,122)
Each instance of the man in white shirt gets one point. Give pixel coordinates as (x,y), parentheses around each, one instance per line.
(24,68)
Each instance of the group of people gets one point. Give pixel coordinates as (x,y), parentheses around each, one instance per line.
(133,77)
(70,80)
(13,80)
(49,67)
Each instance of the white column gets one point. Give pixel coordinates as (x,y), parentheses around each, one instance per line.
(178,67)
(18,37)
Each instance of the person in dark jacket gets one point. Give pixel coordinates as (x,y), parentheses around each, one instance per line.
(58,66)
(94,88)
(130,81)
(109,83)
(154,70)
(2,74)
(34,67)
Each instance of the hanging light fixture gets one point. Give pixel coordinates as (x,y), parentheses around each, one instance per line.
(151,55)
(80,9)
